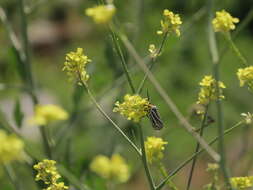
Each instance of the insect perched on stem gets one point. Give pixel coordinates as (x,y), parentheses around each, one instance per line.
(155,118)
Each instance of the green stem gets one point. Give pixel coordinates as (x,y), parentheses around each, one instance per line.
(221,145)
(46,141)
(153,60)
(27,62)
(167,99)
(68,175)
(188,160)
(164,174)
(100,109)
(24,68)
(28,73)
(235,49)
(139,90)
(123,61)
(215,59)
(12,176)
(144,159)
(197,149)
(25,56)
(11,34)
(196,16)
(240,27)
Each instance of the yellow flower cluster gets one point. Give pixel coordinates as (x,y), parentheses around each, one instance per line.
(101,14)
(74,65)
(242,182)
(171,23)
(224,22)
(45,114)
(245,76)
(154,147)
(153,51)
(11,147)
(208,90)
(114,169)
(47,172)
(133,108)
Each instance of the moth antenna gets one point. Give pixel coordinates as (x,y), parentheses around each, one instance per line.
(148,95)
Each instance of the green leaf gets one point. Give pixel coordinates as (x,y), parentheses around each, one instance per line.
(16,61)
(18,114)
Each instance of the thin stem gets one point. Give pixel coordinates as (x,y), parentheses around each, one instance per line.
(23,52)
(162,169)
(11,34)
(197,149)
(144,159)
(46,142)
(25,44)
(235,49)
(68,175)
(139,90)
(240,27)
(167,99)
(12,176)
(19,52)
(221,146)
(153,60)
(188,160)
(164,174)
(123,61)
(215,59)
(100,109)
(195,17)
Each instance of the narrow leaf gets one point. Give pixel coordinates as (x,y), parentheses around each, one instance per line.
(18,114)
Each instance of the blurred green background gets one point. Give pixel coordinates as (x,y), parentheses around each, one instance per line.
(59,26)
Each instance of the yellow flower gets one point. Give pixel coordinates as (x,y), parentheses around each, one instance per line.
(44,114)
(153,51)
(119,169)
(224,22)
(101,166)
(75,65)
(248,117)
(245,76)
(114,169)
(154,147)
(208,90)
(171,23)
(11,147)
(242,182)
(101,14)
(47,172)
(133,108)
(212,167)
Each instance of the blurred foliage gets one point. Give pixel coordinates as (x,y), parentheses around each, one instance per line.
(59,26)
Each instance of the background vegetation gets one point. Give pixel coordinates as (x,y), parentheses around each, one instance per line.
(58,26)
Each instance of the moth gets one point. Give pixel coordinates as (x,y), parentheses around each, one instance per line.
(155,118)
